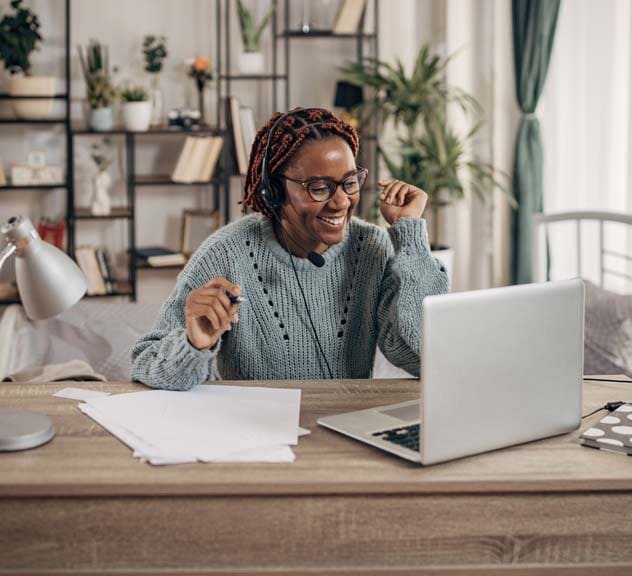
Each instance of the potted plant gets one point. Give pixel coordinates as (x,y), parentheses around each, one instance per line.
(154,52)
(100,90)
(136,108)
(19,36)
(251,60)
(431,154)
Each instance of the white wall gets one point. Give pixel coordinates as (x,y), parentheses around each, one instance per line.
(190,28)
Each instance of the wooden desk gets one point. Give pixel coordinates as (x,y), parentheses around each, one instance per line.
(82,504)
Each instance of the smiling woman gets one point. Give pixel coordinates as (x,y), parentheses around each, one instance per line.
(301,254)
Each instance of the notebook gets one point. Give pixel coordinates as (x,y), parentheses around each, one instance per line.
(613,432)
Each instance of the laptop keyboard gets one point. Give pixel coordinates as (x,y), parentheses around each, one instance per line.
(407,436)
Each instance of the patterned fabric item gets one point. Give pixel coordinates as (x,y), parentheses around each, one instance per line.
(369,292)
(612,432)
(608,332)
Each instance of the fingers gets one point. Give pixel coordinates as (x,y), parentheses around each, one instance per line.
(394,192)
(220,282)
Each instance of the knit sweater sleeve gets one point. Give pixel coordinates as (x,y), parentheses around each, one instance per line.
(164,358)
(411,274)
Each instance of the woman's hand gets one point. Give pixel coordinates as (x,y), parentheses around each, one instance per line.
(401,200)
(209,312)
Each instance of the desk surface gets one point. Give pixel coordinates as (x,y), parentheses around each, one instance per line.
(84,458)
(82,503)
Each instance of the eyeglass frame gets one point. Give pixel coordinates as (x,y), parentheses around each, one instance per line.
(337,183)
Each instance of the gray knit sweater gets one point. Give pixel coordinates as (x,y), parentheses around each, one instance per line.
(368,293)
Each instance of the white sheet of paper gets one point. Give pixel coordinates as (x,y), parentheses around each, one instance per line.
(209,423)
(80,394)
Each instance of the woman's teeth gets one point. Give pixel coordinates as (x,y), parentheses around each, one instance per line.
(334,221)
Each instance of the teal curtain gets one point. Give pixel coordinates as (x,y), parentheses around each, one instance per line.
(534,23)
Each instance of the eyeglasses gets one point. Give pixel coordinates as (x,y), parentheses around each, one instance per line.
(323,189)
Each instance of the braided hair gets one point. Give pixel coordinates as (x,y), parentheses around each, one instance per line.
(301,125)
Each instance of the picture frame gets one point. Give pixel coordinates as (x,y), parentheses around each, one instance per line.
(197,225)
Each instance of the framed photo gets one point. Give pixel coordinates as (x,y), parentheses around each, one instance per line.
(197,226)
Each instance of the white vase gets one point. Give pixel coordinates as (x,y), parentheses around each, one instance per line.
(32,86)
(137,116)
(155,97)
(251,62)
(101,204)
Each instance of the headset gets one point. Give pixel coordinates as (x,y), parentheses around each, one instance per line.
(273,195)
(272,191)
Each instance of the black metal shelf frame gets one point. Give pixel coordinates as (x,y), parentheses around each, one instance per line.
(282,36)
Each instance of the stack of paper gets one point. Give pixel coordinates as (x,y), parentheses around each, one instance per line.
(208,423)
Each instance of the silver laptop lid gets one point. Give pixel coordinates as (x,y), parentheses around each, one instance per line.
(501,367)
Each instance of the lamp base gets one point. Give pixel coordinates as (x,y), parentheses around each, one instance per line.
(21,430)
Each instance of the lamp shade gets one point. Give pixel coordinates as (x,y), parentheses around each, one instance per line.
(347,95)
(48,280)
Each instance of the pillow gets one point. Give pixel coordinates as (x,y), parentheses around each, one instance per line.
(99,333)
(608,332)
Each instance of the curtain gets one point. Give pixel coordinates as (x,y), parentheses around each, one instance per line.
(534,23)
(586,114)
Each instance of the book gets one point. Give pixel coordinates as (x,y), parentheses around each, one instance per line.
(87,259)
(349,16)
(3,178)
(185,155)
(199,152)
(104,267)
(612,433)
(248,127)
(157,256)
(208,168)
(238,137)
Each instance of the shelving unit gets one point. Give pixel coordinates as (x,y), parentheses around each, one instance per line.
(64,121)
(281,80)
(135,181)
(75,216)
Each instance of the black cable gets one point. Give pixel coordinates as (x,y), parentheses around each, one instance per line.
(320,348)
(605,380)
(609,406)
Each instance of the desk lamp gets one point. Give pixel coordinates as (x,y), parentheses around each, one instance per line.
(348,96)
(48,282)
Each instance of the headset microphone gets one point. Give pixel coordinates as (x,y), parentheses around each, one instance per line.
(273,198)
(314,257)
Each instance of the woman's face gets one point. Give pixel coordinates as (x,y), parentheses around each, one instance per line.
(318,225)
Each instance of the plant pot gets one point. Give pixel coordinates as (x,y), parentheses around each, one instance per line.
(251,62)
(446,256)
(32,86)
(101,119)
(137,116)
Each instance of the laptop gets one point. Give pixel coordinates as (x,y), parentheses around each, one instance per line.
(499,367)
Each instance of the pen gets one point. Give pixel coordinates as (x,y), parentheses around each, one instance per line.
(236,299)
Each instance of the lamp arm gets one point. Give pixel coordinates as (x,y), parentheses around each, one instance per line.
(8,251)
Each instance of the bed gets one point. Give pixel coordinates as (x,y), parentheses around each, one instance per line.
(599,253)
(98,333)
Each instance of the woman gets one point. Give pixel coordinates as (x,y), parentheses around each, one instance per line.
(321,289)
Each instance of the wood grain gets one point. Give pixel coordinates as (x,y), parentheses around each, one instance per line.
(82,504)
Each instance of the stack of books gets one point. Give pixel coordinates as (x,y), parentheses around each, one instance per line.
(158,257)
(198,159)
(95,264)
(241,122)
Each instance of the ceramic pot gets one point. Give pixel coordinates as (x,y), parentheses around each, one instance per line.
(32,86)
(137,116)
(251,62)
(101,119)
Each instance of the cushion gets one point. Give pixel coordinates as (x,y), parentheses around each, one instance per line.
(608,332)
